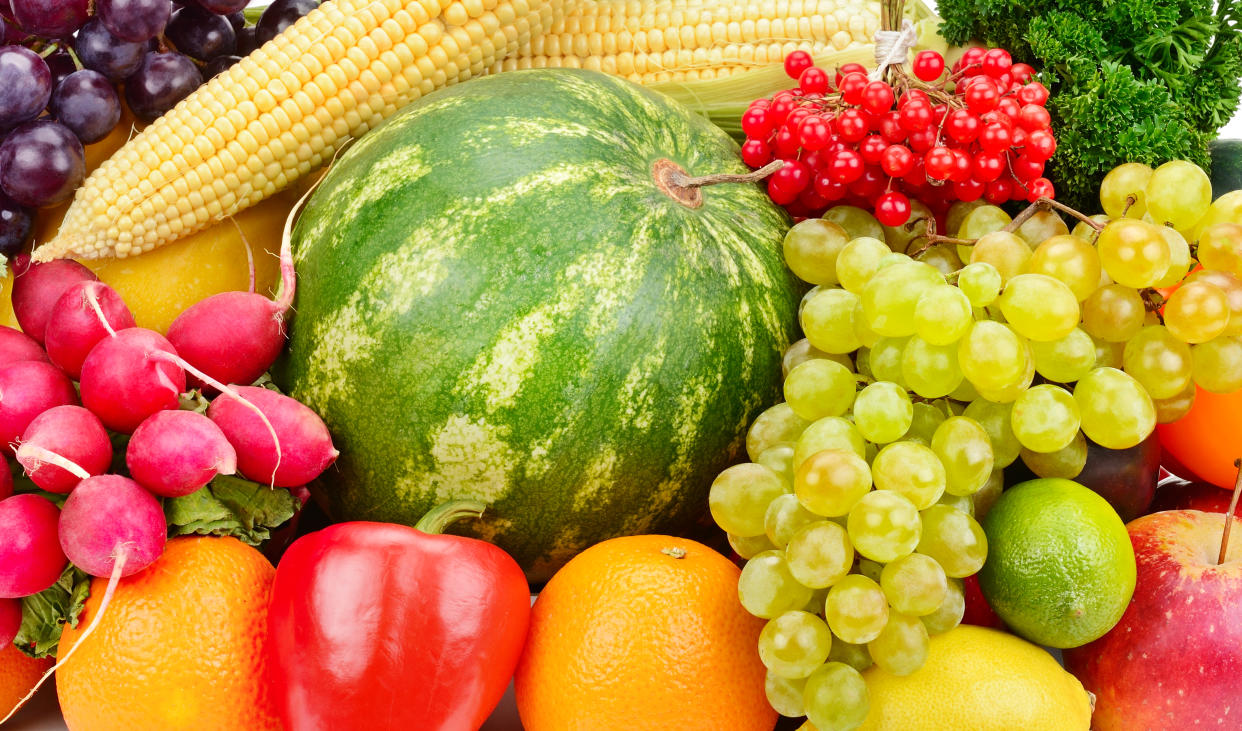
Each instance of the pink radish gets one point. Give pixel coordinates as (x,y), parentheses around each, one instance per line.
(108,520)
(37,287)
(64,446)
(10,620)
(85,314)
(31,559)
(27,389)
(6,478)
(302,448)
(174,453)
(124,380)
(16,345)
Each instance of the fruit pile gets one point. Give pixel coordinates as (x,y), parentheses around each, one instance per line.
(978,130)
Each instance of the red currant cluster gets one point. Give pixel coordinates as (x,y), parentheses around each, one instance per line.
(981,130)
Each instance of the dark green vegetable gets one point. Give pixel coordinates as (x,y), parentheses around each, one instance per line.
(1130,80)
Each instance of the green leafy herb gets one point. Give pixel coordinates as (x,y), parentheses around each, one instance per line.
(230,506)
(44,614)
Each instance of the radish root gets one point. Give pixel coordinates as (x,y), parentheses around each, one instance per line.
(47,456)
(121,555)
(249,252)
(288,276)
(93,301)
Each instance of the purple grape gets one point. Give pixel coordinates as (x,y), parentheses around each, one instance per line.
(160,82)
(61,65)
(237,20)
(223,7)
(16,225)
(87,104)
(100,50)
(49,18)
(25,85)
(41,163)
(200,34)
(134,20)
(218,65)
(245,41)
(280,15)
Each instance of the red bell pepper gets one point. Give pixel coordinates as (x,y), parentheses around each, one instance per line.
(376,626)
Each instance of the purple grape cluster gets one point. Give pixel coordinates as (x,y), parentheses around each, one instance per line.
(63,63)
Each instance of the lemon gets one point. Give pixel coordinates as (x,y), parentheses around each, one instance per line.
(1060,568)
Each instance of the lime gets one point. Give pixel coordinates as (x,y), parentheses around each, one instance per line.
(1060,568)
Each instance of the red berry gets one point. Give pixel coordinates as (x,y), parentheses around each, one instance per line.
(871,183)
(967,190)
(756,153)
(916,177)
(890,127)
(815,160)
(871,148)
(1009,106)
(962,125)
(987,166)
(897,160)
(796,116)
(998,191)
(813,80)
(756,122)
(827,188)
(797,62)
(892,209)
(914,95)
(813,201)
(961,166)
(915,116)
(782,104)
(995,137)
(846,166)
(779,195)
(1021,73)
(850,68)
(938,162)
(877,97)
(852,86)
(1033,116)
(922,140)
(1033,93)
(1025,168)
(981,96)
(970,61)
(1040,144)
(996,61)
(851,125)
(928,65)
(785,145)
(792,177)
(814,132)
(1040,188)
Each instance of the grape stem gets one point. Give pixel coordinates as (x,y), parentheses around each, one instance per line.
(1233,505)
(1043,204)
(1130,201)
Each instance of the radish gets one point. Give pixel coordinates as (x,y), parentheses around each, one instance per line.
(174,453)
(86,313)
(299,450)
(37,287)
(27,389)
(31,559)
(64,446)
(10,620)
(109,520)
(16,345)
(125,379)
(6,478)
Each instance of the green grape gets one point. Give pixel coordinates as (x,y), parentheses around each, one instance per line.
(1066,463)
(1039,307)
(1158,360)
(950,612)
(1128,180)
(802,351)
(1178,193)
(858,261)
(982,221)
(831,481)
(856,222)
(963,503)
(862,362)
(954,539)
(943,259)
(784,517)
(830,432)
(766,587)
(924,422)
(1065,360)
(901,647)
(750,546)
(785,694)
(779,459)
(1117,412)
(931,371)
(1070,260)
(1006,252)
(1227,208)
(828,320)
(914,584)
(1217,364)
(986,497)
(910,469)
(1179,257)
(739,497)
(819,388)
(1086,231)
(870,569)
(1113,313)
(900,237)
(794,643)
(892,293)
(867,337)
(1109,355)
(883,525)
(811,250)
(1045,418)
(963,447)
(1041,226)
(1171,409)
(856,656)
(980,282)
(836,698)
(963,394)
(856,609)
(1134,253)
(815,604)
(1232,287)
(943,315)
(992,355)
(1012,390)
(883,412)
(958,212)
(994,418)
(819,554)
(1197,312)
(808,295)
(885,360)
(890,259)
(776,424)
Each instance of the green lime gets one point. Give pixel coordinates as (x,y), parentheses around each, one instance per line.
(1060,567)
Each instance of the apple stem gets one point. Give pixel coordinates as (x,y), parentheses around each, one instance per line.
(1233,505)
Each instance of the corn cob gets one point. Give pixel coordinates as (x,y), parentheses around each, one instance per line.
(282,111)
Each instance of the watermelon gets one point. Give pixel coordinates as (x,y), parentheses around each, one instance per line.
(502,297)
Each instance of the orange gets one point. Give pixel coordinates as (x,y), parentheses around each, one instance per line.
(182,645)
(643,633)
(18,674)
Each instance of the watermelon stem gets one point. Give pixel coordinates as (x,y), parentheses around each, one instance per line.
(679,177)
(441,517)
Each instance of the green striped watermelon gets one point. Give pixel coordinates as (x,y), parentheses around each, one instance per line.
(498,301)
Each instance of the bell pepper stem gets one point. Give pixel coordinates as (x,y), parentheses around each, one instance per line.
(441,517)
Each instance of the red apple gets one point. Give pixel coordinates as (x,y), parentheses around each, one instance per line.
(1177,495)
(1174,659)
